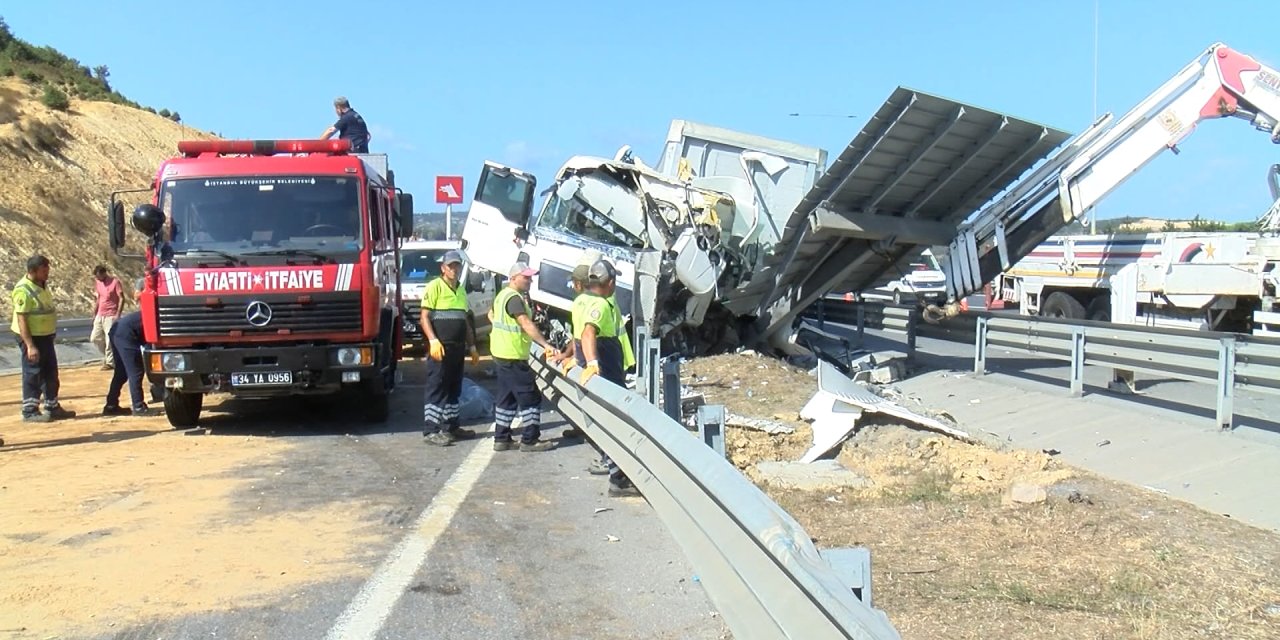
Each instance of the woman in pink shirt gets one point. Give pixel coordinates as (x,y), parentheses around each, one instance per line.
(110,304)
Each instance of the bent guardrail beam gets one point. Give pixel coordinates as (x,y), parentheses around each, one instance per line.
(755,561)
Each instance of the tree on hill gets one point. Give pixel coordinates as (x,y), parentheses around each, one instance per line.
(46,65)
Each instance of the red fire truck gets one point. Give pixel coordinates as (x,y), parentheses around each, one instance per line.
(272,269)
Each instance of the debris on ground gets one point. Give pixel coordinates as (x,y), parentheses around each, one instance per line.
(758,424)
(824,475)
(1026,493)
(1096,557)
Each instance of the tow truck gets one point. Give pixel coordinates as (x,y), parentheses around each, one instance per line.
(1219,83)
(271,269)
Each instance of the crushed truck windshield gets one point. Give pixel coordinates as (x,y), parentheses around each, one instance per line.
(266,212)
(420,265)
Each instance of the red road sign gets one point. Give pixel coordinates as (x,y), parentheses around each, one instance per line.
(449,189)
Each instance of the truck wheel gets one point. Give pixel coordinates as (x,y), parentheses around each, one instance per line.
(1060,304)
(1100,309)
(375,402)
(183,409)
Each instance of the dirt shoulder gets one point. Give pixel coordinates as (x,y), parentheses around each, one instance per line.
(953,558)
(124,519)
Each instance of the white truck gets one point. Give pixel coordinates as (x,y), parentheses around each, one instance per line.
(708,210)
(1191,280)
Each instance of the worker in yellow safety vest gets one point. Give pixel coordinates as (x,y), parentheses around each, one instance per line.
(510,342)
(603,348)
(35,325)
(447,321)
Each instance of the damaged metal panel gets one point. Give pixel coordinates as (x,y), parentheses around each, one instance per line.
(921,166)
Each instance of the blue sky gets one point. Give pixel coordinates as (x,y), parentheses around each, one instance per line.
(447,85)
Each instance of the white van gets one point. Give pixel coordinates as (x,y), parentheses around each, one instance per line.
(420,264)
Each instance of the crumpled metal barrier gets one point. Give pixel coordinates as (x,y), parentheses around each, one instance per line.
(757,564)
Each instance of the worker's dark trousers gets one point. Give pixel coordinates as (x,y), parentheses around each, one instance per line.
(444,387)
(518,395)
(128,367)
(616,476)
(41,377)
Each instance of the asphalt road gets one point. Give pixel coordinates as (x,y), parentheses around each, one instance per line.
(473,543)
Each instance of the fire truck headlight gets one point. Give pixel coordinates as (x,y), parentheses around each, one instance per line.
(173,362)
(355,356)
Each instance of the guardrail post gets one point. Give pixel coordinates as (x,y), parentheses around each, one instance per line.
(822,313)
(671,389)
(862,320)
(913,317)
(853,565)
(980,347)
(711,427)
(1077,361)
(1226,382)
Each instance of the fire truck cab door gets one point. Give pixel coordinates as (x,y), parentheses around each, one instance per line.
(497,223)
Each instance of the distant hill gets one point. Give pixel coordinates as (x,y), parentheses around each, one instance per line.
(430,226)
(61,162)
(1134,224)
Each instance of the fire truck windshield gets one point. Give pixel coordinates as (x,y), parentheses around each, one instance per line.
(237,214)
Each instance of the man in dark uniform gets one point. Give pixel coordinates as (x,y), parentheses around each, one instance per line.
(350,126)
(603,347)
(126,344)
(446,319)
(509,342)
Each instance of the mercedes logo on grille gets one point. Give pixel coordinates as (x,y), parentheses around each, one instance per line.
(258,313)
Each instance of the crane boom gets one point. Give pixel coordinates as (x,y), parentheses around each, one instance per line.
(1219,83)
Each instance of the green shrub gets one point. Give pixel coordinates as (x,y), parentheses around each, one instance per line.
(55,99)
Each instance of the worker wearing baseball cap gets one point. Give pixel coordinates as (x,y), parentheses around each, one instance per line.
(447,321)
(603,347)
(510,341)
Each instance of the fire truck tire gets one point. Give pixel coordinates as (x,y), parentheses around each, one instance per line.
(183,409)
(1060,304)
(375,403)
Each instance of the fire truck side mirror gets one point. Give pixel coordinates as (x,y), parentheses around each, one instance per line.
(115,224)
(406,215)
(148,219)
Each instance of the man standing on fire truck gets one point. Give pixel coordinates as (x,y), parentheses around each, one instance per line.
(350,126)
(446,319)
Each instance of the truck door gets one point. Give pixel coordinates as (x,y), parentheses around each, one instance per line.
(501,208)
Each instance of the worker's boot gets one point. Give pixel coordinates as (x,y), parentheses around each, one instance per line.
(58,413)
(539,445)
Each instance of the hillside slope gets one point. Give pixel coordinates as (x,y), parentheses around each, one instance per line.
(59,169)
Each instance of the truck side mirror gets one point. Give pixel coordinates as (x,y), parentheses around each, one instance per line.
(406,215)
(115,223)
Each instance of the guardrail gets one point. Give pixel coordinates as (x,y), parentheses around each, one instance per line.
(755,561)
(1230,361)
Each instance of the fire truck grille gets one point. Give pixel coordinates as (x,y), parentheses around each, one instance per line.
(259,315)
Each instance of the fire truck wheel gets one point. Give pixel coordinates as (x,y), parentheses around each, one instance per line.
(183,409)
(1060,304)
(376,402)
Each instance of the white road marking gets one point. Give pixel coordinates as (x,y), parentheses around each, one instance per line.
(370,608)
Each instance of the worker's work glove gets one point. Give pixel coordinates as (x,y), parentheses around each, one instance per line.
(589,372)
(567,365)
(437,350)
(475,356)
